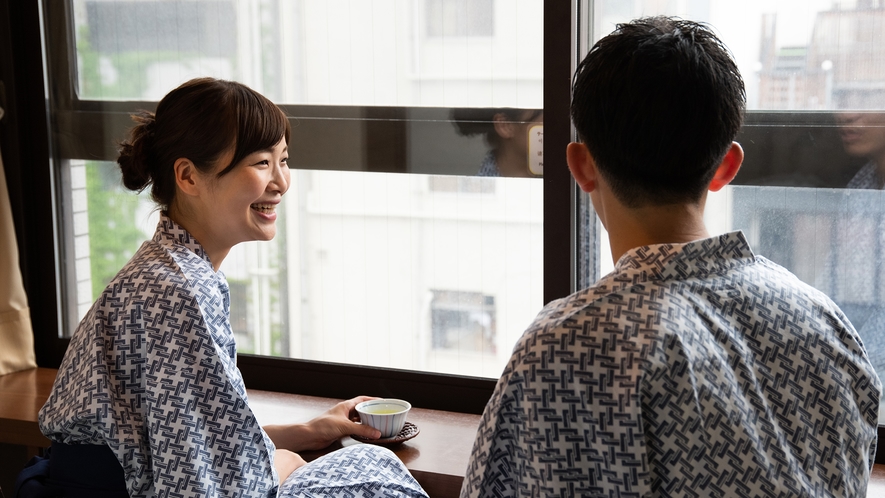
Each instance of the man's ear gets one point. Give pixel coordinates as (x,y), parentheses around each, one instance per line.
(582,166)
(186,176)
(728,168)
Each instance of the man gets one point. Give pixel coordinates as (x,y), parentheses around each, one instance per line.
(695,368)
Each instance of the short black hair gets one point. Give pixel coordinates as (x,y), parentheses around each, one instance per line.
(658,103)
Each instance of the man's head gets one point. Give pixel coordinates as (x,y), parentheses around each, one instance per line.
(658,103)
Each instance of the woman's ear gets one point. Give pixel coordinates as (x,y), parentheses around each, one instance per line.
(728,168)
(186,176)
(504,126)
(581,164)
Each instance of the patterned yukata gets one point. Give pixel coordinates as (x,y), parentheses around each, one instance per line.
(867,177)
(692,369)
(489,166)
(151,372)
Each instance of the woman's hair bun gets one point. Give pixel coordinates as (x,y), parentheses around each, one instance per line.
(134,152)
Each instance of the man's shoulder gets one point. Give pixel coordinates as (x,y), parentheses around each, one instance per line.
(615,308)
(776,277)
(596,318)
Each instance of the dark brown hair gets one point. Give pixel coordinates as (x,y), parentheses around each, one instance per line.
(200,120)
(470,121)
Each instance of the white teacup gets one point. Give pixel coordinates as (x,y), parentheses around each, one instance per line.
(388,415)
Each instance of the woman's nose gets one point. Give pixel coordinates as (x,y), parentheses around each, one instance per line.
(281,178)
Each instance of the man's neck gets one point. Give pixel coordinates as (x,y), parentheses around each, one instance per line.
(670,224)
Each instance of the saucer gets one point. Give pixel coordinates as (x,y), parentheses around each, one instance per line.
(409,431)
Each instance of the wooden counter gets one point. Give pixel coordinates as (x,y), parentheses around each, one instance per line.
(22,394)
(437,457)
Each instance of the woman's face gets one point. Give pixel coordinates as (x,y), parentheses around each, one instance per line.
(241,205)
(863,134)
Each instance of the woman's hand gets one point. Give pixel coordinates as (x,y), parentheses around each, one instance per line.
(341,420)
(286,462)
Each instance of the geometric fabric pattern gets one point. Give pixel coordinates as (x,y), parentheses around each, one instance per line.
(356,471)
(151,372)
(866,177)
(489,166)
(693,369)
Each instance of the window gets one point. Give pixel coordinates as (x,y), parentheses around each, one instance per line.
(392,119)
(385,181)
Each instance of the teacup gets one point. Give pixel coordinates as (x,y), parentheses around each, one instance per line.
(388,415)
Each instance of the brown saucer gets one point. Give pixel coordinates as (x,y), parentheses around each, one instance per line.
(409,431)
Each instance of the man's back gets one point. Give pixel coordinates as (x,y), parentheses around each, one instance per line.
(691,370)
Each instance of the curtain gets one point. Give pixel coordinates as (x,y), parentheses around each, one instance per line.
(16,337)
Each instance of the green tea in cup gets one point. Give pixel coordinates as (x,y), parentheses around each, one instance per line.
(388,415)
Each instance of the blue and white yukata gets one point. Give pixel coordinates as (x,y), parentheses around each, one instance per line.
(489,166)
(867,177)
(691,370)
(151,372)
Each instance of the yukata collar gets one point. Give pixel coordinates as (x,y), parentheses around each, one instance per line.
(682,261)
(489,166)
(171,233)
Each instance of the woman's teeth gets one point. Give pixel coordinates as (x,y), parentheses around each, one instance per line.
(264,208)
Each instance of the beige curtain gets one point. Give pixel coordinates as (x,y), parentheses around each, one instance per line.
(16,337)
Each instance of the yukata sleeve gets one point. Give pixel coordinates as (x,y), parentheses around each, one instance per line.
(496,449)
(203,438)
(555,426)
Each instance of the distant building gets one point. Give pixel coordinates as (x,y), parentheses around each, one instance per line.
(840,67)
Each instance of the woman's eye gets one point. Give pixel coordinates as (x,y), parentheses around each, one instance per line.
(284,160)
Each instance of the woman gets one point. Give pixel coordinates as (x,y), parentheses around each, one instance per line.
(863,135)
(506,133)
(150,379)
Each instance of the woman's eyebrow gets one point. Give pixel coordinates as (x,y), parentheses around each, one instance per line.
(270,149)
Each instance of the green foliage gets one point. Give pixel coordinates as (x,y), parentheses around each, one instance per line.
(113,234)
(129,68)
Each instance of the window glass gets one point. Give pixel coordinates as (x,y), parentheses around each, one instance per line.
(405,239)
(793,55)
(367,268)
(445,53)
(809,195)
